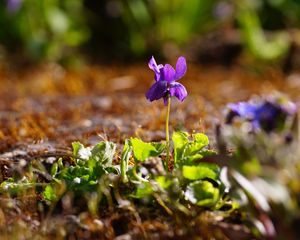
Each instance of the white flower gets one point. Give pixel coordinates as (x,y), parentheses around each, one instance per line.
(77,180)
(85,153)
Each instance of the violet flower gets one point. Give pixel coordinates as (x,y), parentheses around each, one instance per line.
(242,109)
(166,81)
(13,6)
(267,115)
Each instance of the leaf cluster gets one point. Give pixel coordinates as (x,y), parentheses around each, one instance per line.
(143,174)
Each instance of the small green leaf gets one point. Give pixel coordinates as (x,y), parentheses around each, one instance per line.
(49,193)
(187,151)
(163,182)
(57,19)
(180,141)
(208,152)
(191,158)
(202,193)
(143,190)
(104,152)
(201,138)
(126,153)
(81,152)
(16,187)
(76,146)
(143,150)
(200,141)
(60,164)
(201,171)
(160,147)
(54,169)
(98,171)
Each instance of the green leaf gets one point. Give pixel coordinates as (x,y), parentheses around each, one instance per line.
(143,190)
(143,150)
(180,141)
(208,152)
(76,146)
(191,158)
(126,153)
(98,171)
(201,171)
(262,47)
(60,164)
(187,151)
(73,172)
(201,138)
(49,193)
(202,193)
(104,152)
(81,152)
(163,182)
(57,20)
(200,141)
(54,169)
(160,147)
(15,187)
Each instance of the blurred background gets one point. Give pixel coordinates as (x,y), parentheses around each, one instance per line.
(215,31)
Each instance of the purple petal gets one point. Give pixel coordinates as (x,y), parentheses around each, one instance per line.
(156,68)
(180,68)
(152,64)
(13,5)
(178,90)
(243,109)
(290,108)
(157,91)
(168,73)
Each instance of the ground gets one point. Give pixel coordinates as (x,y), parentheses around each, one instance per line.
(43,109)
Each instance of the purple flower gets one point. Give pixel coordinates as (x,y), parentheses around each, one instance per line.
(223,10)
(165,80)
(13,6)
(242,109)
(267,115)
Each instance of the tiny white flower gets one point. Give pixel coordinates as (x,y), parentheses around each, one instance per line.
(77,180)
(84,153)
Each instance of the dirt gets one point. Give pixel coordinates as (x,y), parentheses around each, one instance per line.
(52,107)
(43,109)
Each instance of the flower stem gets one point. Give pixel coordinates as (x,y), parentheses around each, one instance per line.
(167,133)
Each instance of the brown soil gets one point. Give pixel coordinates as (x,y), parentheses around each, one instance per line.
(51,107)
(44,109)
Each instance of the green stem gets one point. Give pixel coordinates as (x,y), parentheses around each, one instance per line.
(167,133)
(137,176)
(124,160)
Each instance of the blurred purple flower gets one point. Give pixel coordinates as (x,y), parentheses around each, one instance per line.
(165,80)
(223,10)
(267,115)
(242,109)
(13,6)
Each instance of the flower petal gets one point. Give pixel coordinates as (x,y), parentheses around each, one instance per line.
(152,64)
(289,108)
(156,68)
(13,5)
(157,91)
(243,109)
(180,68)
(168,73)
(178,90)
